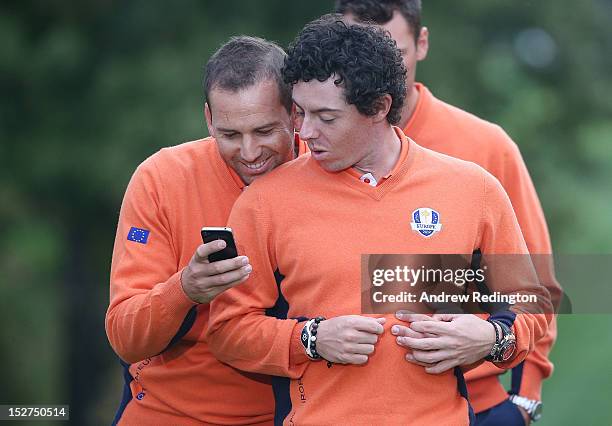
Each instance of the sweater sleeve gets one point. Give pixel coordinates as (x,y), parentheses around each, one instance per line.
(147,301)
(514,176)
(240,334)
(510,271)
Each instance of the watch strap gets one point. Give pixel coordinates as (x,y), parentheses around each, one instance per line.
(533,407)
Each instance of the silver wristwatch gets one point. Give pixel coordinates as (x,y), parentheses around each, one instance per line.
(532,406)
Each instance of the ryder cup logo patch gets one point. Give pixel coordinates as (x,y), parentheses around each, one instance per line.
(426,221)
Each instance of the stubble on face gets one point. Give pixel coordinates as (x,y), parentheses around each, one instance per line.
(337,134)
(252,128)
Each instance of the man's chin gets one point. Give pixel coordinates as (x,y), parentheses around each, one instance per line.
(249,178)
(331,167)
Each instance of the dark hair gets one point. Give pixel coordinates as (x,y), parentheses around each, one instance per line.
(381,11)
(244,61)
(363,58)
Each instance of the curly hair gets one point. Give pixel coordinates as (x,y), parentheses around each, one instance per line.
(363,59)
(381,11)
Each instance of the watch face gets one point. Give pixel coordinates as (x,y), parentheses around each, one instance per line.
(537,412)
(508,351)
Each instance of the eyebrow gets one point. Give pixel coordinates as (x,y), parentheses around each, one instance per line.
(264,126)
(319,110)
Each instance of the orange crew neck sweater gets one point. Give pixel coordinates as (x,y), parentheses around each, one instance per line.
(447,129)
(170,197)
(304,231)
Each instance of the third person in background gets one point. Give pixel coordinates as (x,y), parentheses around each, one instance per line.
(442,127)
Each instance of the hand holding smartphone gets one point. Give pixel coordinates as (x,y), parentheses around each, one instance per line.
(201,281)
(210,234)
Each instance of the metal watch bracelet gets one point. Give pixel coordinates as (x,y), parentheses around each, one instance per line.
(532,406)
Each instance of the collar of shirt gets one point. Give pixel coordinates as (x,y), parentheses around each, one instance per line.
(369,178)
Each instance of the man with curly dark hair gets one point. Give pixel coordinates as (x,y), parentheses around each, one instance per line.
(306,225)
(437,125)
(330,57)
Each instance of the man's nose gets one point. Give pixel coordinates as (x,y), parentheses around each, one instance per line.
(307,130)
(251,150)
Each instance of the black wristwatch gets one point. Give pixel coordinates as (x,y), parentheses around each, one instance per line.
(532,406)
(505,344)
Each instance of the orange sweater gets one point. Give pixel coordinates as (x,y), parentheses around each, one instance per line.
(315,264)
(444,128)
(170,197)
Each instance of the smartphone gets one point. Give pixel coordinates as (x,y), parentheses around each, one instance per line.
(210,234)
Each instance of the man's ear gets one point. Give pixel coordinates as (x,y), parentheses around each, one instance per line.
(294,121)
(422,45)
(208,115)
(384,106)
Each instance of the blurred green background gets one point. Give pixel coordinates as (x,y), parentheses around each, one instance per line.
(90,89)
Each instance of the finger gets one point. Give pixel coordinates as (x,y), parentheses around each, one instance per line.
(369,325)
(433,327)
(441,366)
(361,337)
(446,316)
(410,358)
(423,344)
(381,320)
(362,349)
(402,330)
(428,357)
(222,266)
(228,277)
(205,250)
(411,316)
(432,357)
(356,359)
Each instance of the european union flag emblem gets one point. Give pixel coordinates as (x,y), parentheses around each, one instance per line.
(138,235)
